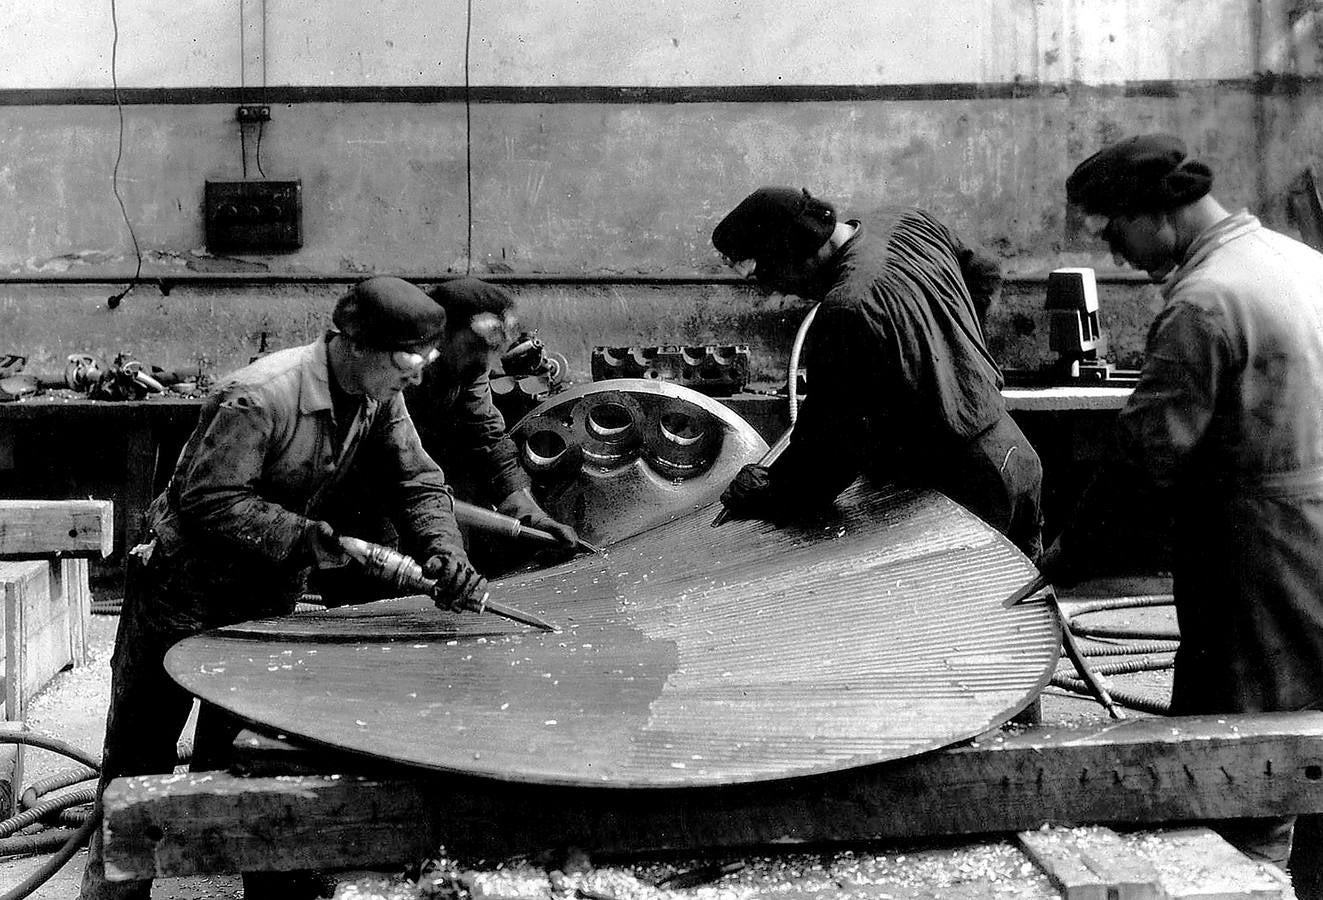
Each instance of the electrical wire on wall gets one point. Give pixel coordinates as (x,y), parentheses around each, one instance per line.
(261,123)
(243,85)
(468,137)
(113,301)
(243,92)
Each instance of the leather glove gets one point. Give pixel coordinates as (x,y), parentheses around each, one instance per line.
(749,496)
(458,584)
(521,505)
(321,545)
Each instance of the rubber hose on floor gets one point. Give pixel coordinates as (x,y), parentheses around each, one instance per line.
(1094,648)
(62,779)
(53,744)
(1133,601)
(1123,698)
(45,808)
(1131,666)
(32,844)
(75,842)
(73,817)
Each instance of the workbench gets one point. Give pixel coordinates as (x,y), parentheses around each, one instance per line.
(61,446)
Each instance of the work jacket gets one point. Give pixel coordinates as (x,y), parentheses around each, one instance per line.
(462,429)
(1225,428)
(260,466)
(901,383)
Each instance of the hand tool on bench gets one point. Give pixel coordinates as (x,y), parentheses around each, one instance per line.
(1040,584)
(399,570)
(492,522)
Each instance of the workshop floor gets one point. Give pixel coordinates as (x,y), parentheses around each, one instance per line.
(73,709)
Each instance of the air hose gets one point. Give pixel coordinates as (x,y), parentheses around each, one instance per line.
(1140,642)
(41,810)
(792,370)
(64,841)
(63,779)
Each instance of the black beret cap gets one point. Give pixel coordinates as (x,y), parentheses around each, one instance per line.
(464,298)
(386,313)
(1145,173)
(775,222)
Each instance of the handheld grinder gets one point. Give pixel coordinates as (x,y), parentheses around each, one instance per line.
(397,569)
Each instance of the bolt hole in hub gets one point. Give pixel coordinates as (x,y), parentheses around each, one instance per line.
(545,448)
(681,429)
(609,421)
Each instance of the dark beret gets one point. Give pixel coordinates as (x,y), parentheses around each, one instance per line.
(1145,173)
(464,298)
(386,313)
(775,222)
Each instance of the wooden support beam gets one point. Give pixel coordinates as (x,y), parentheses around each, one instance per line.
(1174,864)
(1136,771)
(1198,864)
(1092,864)
(43,529)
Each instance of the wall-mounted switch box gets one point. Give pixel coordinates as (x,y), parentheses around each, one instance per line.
(254,216)
(253,114)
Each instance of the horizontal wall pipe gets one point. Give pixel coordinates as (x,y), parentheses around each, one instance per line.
(166,283)
(1261,83)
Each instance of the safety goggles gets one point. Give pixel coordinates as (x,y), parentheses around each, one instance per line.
(743,267)
(408,361)
(1097,225)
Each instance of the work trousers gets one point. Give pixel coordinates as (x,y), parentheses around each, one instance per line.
(147,714)
(148,711)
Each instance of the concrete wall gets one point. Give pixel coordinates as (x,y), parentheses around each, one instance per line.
(977,111)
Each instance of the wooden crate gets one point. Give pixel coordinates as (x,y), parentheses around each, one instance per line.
(44,617)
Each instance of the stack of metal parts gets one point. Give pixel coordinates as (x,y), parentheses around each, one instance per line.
(528,374)
(718,370)
(685,655)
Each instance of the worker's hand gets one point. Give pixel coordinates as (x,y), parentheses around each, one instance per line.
(458,584)
(749,496)
(1055,565)
(521,505)
(321,544)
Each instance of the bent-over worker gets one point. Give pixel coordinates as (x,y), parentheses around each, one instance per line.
(1224,430)
(240,523)
(459,424)
(461,428)
(903,386)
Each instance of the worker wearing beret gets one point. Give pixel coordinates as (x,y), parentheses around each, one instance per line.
(461,428)
(902,384)
(1224,433)
(459,424)
(241,522)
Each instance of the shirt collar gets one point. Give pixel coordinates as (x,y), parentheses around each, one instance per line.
(315,384)
(1236,225)
(832,268)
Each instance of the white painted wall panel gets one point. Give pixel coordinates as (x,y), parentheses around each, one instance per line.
(183,43)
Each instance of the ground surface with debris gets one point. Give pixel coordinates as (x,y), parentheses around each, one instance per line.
(73,709)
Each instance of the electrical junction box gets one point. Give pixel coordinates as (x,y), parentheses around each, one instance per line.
(254,216)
